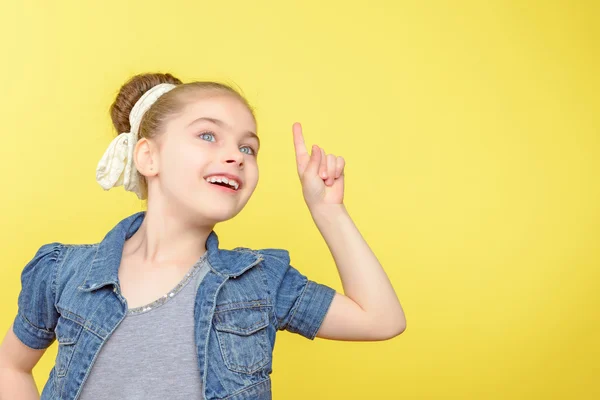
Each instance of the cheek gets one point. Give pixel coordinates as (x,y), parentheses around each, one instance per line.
(253,174)
(184,164)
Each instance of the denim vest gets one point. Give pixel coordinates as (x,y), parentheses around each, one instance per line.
(71,293)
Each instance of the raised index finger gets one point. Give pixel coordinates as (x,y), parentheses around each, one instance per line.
(301,152)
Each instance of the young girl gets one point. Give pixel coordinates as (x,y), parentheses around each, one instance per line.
(157,309)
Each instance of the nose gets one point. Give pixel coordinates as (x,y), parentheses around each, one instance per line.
(233,155)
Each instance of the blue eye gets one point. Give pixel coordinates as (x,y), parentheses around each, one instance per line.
(252,152)
(203,135)
(207,134)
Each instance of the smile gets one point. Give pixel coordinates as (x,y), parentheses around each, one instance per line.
(223,187)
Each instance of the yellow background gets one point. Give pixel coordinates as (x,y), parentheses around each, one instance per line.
(471,135)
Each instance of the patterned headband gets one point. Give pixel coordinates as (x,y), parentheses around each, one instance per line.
(116,167)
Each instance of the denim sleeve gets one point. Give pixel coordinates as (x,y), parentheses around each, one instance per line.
(300,304)
(37,314)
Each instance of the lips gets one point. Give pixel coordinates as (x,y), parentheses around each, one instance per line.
(222,187)
(228,176)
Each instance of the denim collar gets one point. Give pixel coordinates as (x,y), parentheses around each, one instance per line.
(103,269)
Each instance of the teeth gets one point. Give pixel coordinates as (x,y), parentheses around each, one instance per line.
(221,179)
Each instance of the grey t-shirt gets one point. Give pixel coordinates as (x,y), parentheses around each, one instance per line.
(152,354)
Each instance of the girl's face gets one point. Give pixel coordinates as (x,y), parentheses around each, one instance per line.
(214,135)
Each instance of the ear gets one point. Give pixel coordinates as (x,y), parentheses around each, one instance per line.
(145,157)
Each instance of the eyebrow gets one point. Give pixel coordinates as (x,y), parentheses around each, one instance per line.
(223,124)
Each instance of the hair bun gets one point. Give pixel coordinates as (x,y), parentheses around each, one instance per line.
(130,93)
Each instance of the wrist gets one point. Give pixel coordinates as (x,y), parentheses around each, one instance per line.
(328,212)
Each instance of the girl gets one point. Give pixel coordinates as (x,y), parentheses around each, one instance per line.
(157,309)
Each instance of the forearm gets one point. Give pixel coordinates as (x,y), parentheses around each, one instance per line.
(15,384)
(363,278)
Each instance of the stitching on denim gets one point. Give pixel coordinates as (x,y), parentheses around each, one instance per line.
(70,315)
(252,265)
(273,300)
(247,388)
(213,269)
(89,267)
(329,297)
(31,324)
(79,329)
(298,303)
(56,274)
(224,326)
(85,323)
(220,308)
(239,368)
(214,302)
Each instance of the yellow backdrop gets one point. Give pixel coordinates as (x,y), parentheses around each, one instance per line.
(471,135)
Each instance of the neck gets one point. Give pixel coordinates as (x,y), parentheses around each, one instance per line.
(168,238)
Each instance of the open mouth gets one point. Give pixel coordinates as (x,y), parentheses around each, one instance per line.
(230,183)
(224,186)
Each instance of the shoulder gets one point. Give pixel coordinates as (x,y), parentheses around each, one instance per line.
(275,264)
(270,257)
(45,259)
(54,249)
(50,256)
(61,253)
(49,251)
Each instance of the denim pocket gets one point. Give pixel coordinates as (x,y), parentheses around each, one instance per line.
(243,339)
(67,333)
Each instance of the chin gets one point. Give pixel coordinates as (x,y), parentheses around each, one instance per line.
(217,214)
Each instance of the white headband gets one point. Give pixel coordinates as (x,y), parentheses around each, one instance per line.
(116,167)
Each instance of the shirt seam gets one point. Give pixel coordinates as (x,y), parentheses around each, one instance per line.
(297,305)
(56,273)
(272,296)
